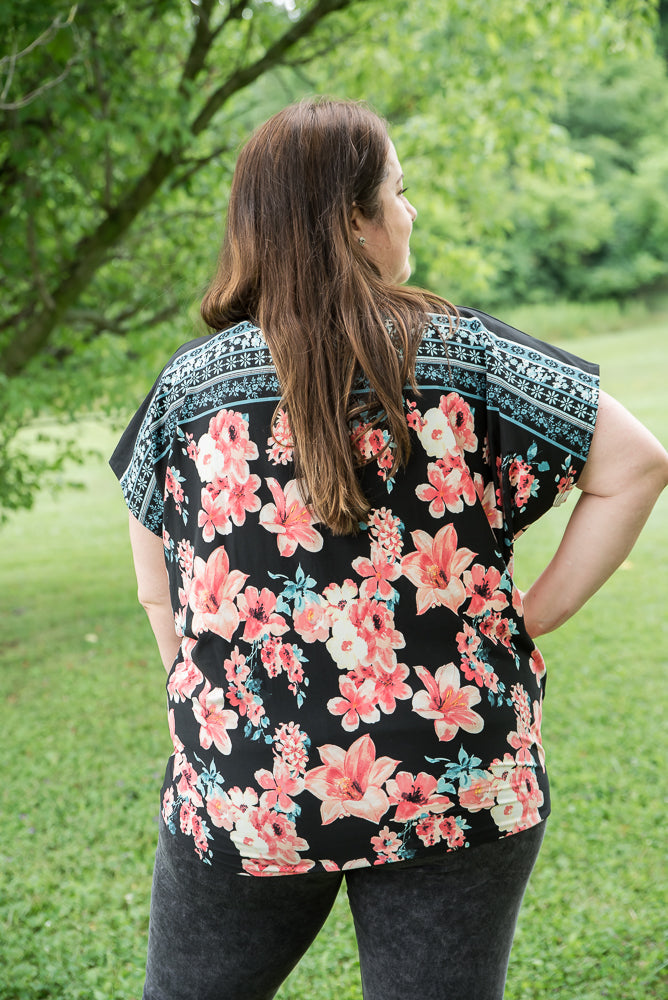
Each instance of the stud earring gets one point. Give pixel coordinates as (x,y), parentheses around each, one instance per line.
(362,241)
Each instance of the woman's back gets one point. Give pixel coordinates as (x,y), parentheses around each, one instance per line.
(374,695)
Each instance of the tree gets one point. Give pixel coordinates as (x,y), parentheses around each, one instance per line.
(119,124)
(108,114)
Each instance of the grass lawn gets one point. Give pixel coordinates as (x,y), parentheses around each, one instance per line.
(81,690)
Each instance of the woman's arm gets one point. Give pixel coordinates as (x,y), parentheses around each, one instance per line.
(153,589)
(626,470)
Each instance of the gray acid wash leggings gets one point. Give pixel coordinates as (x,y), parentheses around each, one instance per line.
(437,930)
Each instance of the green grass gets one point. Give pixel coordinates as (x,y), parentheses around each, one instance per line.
(86,740)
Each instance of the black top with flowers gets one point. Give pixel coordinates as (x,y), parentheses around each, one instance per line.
(348,701)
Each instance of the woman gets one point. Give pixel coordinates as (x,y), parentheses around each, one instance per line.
(334,479)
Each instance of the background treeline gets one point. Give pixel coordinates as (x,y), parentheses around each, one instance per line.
(532,134)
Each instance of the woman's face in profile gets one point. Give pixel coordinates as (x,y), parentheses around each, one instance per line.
(386,242)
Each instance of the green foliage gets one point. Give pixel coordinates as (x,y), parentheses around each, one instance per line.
(83,714)
(120,123)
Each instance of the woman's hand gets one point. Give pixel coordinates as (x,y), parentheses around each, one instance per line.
(626,470)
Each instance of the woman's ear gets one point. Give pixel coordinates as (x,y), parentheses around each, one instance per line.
(358,222)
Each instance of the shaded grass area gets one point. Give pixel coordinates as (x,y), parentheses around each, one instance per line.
(81,690)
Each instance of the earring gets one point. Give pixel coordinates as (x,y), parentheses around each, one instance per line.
(362,241)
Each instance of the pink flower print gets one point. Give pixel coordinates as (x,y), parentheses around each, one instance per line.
(266,835)
(213,516)
(449,485)
(346,647)
(257,611)
(184,677)
(435,568)
(518,796)
(354,704)
(496,628)
(479,794)
(214,719)
(461,420)
(338,598)
(176,742)
(310,622)
(243,497)
(414,796)
(427,830)
(525,785)
(487,496)
(564,486)
(448,704)
(257,868)
(537,664)
(242,801)
(291,663)
(280,786)
(191,448)
(255,711)
(187,783)
(368,441)
(482,587)
(173,480)
(185,555)
(168,804)
(386,529)
(413,416)
(280,443)
(186,815)
(291,743)
(229,430)
(290,519)
(451,832)
(374,623)
(527,733)
(386,845)
(521,477)
(279,835)
(212,595)
(389,685)
(468,641)
(240,697)
(478,671)
(236,668)
(535,731)
(221,811)
(349,783)
(270,656)
(435,433)
(379,571)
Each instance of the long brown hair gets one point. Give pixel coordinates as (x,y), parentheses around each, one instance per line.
(291,263)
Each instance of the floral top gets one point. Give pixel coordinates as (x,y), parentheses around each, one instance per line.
(348,701)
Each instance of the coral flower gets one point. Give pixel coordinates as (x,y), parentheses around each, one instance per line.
(349,781)
(214,719)
(290,519)
(482,587)
(448,704)
(414,796)
(257,610)
(435,569)
(212,595)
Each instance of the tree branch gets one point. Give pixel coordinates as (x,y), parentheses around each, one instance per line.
(273,56)
(93,249)
(11,60)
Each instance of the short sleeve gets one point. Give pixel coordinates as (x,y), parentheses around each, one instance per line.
(135,461)
(141,456)
(541,411)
